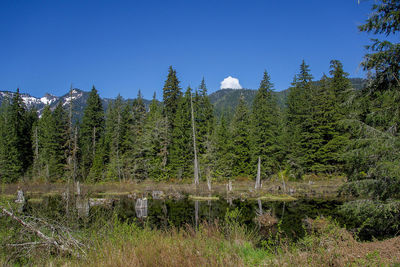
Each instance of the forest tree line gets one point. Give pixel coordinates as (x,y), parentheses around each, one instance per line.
(128,142)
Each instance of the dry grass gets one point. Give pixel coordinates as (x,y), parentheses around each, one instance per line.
(326,245)
(329,245)
(226,244)
(127,245)
(283,197)
(203,198)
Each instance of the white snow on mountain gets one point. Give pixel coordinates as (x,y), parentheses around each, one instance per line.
(75,95)
(30,100)
(45,100)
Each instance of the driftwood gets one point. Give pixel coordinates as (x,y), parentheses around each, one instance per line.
(64,246)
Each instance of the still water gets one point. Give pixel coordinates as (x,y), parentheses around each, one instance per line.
(164,213)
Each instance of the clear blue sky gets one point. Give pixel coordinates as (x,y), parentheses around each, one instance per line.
(123,46)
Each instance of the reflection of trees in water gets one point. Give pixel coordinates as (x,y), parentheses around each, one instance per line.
(196,213)
(141,207)
(177,213)
(259,212)
(82,206)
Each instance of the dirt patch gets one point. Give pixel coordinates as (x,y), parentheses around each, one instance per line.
(388,249)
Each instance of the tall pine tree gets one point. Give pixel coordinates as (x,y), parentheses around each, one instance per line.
(181,150)
(171,96)
(241,151)
(134,158)
(92,127)
(264,120)
(297,120)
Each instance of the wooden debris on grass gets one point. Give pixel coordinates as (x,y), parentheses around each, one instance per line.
(60,237)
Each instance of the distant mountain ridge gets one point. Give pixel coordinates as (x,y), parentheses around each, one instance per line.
(224,100)
(79,98)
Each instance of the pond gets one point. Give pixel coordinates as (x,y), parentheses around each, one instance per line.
(165,213)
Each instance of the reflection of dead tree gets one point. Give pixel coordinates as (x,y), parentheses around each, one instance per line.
(60,239)
(258,179)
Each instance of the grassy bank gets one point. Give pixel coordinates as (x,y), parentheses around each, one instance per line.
(233,245)
(227,243)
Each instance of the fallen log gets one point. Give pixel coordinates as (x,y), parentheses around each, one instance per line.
(48,240)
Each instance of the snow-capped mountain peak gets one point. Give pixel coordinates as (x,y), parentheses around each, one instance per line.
(48,99)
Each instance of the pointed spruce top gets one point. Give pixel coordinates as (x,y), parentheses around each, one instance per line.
(203,88)
(266,84)
(304,76)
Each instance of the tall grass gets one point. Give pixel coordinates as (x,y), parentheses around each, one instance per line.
(125,244)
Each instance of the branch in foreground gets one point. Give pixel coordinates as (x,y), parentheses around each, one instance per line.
(47,240)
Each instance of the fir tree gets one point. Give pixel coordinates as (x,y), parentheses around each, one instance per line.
(372,158)
(181,149)
(10,164)
(241,140)
(223,157)
(61,139)
(116,128)
(91,131)
(46,132)
(171,96)
(325,142)
(265,128)
(17,153)
(50,141)
(340,83)
(384,59)
(134,157)
(156,141)
(297,120)
(204,116)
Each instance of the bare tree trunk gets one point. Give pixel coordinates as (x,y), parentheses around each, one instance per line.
(196,167)
(36,144)
(70,121)
(118,130)
(78,188)
(258,178)
(71,160)
(36,159)
(74,154)
(94,141)
(47,172)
